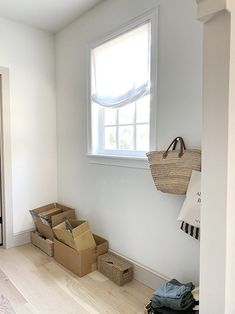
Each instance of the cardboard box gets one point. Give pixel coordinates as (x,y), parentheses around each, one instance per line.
(79,238)
(49,213)
(46,245)
(115,268)
(43,225)
(83,262)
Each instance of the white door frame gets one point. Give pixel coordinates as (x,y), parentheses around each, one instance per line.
(217,249)
(6,162)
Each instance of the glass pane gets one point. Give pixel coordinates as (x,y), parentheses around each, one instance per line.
(143,110)
(110,138)
(142,138)
(110,116)
(127,114)
(126,137)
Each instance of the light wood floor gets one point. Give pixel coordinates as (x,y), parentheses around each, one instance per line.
(32,282)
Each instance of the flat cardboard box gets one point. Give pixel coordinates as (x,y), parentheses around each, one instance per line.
(44,227)
(46,245)
(80,238)
(83,262)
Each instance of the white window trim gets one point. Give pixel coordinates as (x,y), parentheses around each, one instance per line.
(119,161)
(127,161)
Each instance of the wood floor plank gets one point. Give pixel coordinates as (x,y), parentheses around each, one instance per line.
(76,288)
(37,284)
(10,291)
(5,306)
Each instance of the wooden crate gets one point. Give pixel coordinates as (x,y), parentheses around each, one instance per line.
(115,268)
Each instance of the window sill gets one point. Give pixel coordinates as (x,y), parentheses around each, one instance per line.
(119,161)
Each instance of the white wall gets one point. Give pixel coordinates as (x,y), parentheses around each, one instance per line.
(29,55)
(122,204)
(215,163)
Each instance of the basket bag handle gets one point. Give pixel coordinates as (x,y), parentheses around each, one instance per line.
(174,144)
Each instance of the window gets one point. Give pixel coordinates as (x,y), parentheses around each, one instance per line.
(121,97)
(126,129)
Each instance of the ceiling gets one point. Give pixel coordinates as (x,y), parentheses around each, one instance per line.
(50,15)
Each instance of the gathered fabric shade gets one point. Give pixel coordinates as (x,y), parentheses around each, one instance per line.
(121,68)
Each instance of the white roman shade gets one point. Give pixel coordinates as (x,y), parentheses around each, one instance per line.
(121,68)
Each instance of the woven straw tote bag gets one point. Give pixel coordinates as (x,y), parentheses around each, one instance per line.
(171,169)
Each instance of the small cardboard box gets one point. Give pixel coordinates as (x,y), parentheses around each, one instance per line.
(83,262)
(46,245)
(115,268)
(45,226)
(79,238)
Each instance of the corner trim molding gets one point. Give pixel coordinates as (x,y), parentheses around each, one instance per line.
(208,9)
(6,165)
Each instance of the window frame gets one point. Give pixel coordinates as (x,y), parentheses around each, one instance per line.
(121,158)
(117,125)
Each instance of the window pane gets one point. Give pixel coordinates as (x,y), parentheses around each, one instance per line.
(143,110)
(110,138)
(127,114)
(126,137)
(110,116)
(142,137)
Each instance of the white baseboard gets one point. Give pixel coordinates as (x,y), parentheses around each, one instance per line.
(18,239)
(143,274)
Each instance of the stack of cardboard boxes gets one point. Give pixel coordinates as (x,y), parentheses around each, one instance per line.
(71,241)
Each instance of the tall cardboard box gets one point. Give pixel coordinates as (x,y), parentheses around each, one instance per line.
(79,238)
(45,227)
(83,262)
